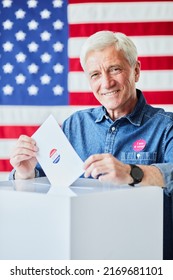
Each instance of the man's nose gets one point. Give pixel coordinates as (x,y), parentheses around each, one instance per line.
(107,80)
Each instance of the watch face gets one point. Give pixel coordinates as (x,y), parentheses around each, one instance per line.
(137,173)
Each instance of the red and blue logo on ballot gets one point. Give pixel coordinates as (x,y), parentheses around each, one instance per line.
(54,156)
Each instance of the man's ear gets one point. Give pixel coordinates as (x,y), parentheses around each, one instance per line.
(137,71)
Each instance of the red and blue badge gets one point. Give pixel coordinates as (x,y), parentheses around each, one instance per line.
(54,156)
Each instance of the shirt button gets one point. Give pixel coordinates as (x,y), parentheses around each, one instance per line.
(113,129)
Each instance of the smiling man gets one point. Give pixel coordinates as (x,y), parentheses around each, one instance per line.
(123,141)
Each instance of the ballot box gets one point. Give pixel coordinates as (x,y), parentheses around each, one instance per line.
(88,220)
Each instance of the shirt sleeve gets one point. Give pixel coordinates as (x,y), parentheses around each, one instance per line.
(166,170)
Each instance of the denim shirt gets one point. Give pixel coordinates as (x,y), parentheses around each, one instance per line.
(144,136)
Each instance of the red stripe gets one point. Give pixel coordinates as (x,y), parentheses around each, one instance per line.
(129,28)
(159,97)
(5,165)
(153,97)
(147,63)
(16,131)
(110,1)
(84,98)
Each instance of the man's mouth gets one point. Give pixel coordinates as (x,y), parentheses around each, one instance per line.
(109,93)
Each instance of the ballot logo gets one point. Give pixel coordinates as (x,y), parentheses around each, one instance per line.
(139,145)
(54,156)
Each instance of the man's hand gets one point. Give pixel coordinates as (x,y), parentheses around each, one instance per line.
(23,157)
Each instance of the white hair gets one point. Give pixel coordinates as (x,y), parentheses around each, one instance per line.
(102,39)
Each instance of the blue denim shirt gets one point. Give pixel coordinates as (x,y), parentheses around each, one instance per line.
(144,136)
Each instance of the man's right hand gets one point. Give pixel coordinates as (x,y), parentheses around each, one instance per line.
(23,157)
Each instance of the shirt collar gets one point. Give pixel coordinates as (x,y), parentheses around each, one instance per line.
(135,117)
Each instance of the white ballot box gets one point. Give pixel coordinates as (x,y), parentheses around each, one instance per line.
(88,221)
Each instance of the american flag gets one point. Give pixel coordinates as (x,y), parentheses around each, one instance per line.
(40,71)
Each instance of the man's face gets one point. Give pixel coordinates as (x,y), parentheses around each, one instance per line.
(112,79)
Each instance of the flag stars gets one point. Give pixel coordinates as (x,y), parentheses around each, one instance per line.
(7,90)
(8,24)
(20,14)
(33,68)
(8,68)
(46,57)
(45,36)
(57,3)
(20,57)
(32,25)
(32,90)
(20,36)
(58,90)
(20,79)
(58,68)
(45,14)
(45,79)
(8,46)
(33,47)
(7,3)
(58,47)
(58,25)
(32,3)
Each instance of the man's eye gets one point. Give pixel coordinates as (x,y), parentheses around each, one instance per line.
(94,75)
(115,70)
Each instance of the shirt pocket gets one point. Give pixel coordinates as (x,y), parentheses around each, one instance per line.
(139,157)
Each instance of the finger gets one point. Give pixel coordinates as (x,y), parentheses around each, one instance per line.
(91,159)
(95,169)
(26,151)
(16,161)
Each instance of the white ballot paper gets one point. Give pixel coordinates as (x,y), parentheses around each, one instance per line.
(56,156)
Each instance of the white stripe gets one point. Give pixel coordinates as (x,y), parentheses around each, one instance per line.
(120,12)
(6,147)
(156,80)
(149,80)
(34,115)
(146,45)
(4,176)
(167,108)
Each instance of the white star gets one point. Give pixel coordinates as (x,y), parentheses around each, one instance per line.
(58,68)
(32,4)
(8,68)
(20,79)
(45,79)
(20,57)
(46,57)
(57,3)
(8,90)
(33,90)
(33,68)
(8,46)
(7,24)
(6,3)
(45,36)
(32,25)
(58,90)
(58,24)
(45,14)
(20,35)
(20,14)
(58,47)
(33,47)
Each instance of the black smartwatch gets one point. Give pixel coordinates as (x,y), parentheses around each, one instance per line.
(136,173)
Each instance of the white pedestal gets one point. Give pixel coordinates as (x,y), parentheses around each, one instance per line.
(86,221)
